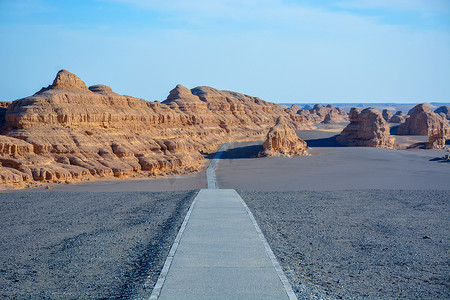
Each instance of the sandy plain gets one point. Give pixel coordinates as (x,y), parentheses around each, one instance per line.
(318,212)
(330,167)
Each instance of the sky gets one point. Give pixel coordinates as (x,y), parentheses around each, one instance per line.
(294,51)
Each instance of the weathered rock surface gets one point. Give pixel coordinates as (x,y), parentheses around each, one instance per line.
(367,128)
(398,117)
(318,114)
(387,115)
(422,121)
(328,114)
(437,141)
(283,141)
(69,132)
(445,110)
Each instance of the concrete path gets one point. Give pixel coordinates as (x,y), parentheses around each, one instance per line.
(220,253)
(211,171)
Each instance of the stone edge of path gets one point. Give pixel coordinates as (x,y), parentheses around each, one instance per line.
(162,276)
(287,286)
(211,171)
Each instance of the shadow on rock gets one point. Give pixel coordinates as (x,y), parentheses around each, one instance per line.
(393,130)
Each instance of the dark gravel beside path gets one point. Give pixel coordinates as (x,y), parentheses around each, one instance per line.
(359,244)
(86,245)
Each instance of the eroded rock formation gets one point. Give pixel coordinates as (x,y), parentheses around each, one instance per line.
(68,132)
(445,110)
(387,115)
(367,128)
(328,114)
(283,141)
(422,121)
(438,140)
(398,117)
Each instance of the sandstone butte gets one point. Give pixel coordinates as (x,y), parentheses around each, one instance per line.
(68,132)
(283,141)
(422,121)
(367,128)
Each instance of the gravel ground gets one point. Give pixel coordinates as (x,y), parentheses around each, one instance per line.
(332,168)
(359,244)
(86,245)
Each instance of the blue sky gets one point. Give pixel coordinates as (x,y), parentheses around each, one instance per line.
(279,50)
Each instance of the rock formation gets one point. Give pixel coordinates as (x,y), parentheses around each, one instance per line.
(3,107)
(328,114)
(387,115)
(437,141)
(283,141)
(398,117)
(367,128)
(422,121)
(445,110)
(69,132)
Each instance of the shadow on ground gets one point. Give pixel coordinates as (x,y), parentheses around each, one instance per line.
(242,152)
(324,142)
(248,151)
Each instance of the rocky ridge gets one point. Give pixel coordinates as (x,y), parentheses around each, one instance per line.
(69,132)
(283,141)
(367,128)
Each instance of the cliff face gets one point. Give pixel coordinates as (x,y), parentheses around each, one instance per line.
(367,128)
(68,132)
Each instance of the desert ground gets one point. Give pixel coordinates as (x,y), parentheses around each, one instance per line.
(330,167)
(82,245)
(359,244)
(344,222)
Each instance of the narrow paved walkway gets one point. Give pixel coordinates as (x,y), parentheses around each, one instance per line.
(220,254)
(211,171)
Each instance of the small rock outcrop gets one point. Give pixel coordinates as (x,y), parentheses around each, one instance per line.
(422,121)
(387,115)
(445,110)
(437,141)
(367,128)
(398,117)
(283,141)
